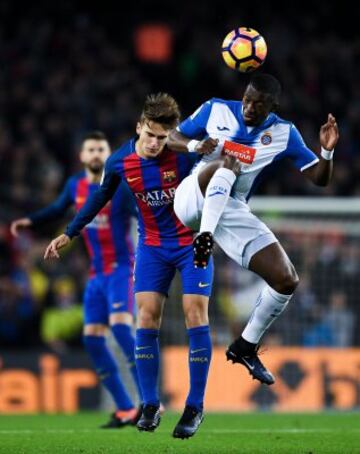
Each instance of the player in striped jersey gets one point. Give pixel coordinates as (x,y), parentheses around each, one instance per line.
(214,198)
(152,171)
(108,296)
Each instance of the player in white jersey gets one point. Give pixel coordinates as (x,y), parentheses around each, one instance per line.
(239,141)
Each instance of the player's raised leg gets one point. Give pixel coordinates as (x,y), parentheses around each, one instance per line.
(215,180)
(274,266)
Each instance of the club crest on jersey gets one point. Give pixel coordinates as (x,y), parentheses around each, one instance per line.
(169,176)
(266,138)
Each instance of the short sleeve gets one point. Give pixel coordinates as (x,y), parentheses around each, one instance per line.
(194,126)
(298,152)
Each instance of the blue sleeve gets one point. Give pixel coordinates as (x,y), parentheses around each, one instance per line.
(298,152)
(194,127)
(131,206)
(56,210)
(96,200)
(124,200)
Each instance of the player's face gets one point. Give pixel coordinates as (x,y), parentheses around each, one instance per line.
(152,139)
(256,106)
(94,153)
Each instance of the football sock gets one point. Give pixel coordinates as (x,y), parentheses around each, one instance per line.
(216,197)
(126,341)
(107,370)
(242,346)
(270,304)
(199,362)
(147,364)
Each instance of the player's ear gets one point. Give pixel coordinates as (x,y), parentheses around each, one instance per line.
(274,102)
(81,156)
(275,107)
(138,128)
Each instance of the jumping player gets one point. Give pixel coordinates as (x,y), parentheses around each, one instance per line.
(246,138)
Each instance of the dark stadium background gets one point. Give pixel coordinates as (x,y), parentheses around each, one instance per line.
(72,67)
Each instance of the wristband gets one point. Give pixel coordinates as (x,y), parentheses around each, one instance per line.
(192,145)
(327,154)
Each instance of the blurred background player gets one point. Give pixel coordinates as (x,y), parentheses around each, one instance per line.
(153,172)
(214,198)
(108,296)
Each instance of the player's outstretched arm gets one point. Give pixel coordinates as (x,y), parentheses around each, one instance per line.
(18,224)
(55,210)
(56,244)
(179,142)
(320,174)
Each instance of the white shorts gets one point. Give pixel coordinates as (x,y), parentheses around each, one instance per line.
(240,234)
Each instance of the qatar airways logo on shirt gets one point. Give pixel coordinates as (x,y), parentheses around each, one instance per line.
(101,221)
(157,198)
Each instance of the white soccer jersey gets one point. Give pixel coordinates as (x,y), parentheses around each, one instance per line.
(273,140)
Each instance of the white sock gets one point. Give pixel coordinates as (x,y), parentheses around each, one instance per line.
(270,304)
(216,196)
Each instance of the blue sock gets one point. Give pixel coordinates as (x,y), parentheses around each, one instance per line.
(125,339)
(147,363)
(107,370)
(199,362)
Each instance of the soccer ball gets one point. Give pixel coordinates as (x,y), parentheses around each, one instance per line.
(244,49)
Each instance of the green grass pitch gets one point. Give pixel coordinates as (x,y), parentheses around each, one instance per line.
(337,433)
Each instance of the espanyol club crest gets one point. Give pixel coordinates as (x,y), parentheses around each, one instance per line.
(169,176)
(266,138)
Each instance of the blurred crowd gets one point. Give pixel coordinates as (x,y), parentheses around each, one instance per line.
(67,70)
(324,309)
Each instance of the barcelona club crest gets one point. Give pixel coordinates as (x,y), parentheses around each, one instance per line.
(266,138)
(169,176)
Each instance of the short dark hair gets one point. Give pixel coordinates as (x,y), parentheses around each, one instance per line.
(94,135)
(268,84)
(161,108)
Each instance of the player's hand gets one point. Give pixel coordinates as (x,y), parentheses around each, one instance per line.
(55,245)
(329,133)
(19,224)
(206,146)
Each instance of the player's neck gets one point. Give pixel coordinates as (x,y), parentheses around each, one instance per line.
(93,177)
(138,150)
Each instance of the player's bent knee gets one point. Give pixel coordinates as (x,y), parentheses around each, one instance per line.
(148,320)
(121,318)
(195,319)
(95,329)
(288,282)
(231,163)
(196,314)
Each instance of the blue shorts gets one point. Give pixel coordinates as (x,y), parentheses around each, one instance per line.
(106,294)
(155,268)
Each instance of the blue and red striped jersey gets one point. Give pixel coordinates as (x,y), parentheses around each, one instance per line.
(153,182)
(107,237)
